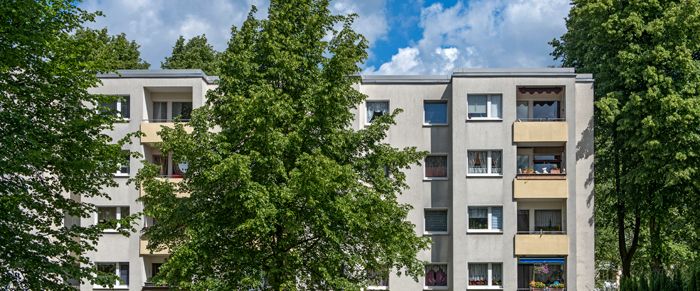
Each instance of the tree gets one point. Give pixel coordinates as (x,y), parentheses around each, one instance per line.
(284,194)
(52,149)
(111,52)
(195,54)
(644,55)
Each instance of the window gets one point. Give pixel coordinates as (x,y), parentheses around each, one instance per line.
(522,109)
(434,113)
(121,270)
(107,214)
(547,164)
(484,163)
(436,166)
(436,220)
(548,220)
(484,106)
(486,218)
(120,107)
(168,167)
(541,160)
(160,111)
(548,271)
(485,274)
(378,280)
(155,268)
(182,110)
(124,165)
(523,220)
(436,275)
(376,109)
(545,110)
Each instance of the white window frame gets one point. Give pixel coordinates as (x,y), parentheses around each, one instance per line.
(489,114)
(489,277)
(447,165)
(388,109)
(489,219)
(380,287)
(119,172)
(119,106)
(489,173)
(447,271)
(447,112)
(118,213)
(116,283)
(447,218)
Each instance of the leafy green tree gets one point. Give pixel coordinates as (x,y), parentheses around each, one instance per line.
(195,54)
(644,55)
(53,153)
(111,52)
(284,194)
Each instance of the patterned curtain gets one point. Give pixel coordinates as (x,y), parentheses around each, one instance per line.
(436,275)
(478,162)
(436,166)
(376,109)
(478,274)
(496,167)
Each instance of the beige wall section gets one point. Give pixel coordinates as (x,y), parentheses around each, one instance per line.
(151,131)
(524,188)
(540,131)
(541,245)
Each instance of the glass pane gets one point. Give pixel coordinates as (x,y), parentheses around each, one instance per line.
(124,211)
(183,110)
(155,268)
(496,163)
(495,106)
(110,107)
(124,274)
(435,113)
(124,166)
(523,220)
(478,217)
(477,106)
(523,164)
(160,111)
(436,220)
(522,109)
(496,274)
(550,274)
(477,162)
(548,220)
(545,110)
(436,275)
(436,166)
(524,276)
(478,274)
(108,268)
(106,214)
(163,162)
(547,164)
(125,110)
(378,278)
(376,109)
(497,218)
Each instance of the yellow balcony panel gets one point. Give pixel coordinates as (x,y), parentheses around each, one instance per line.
(555,187)
(151,130)
(172,180)
(540,131)
(541,244)
(145,251)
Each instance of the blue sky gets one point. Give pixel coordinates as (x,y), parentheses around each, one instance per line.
(406,36)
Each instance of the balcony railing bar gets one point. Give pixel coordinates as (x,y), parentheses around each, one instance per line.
(539,119)
(153,120)
(541,232)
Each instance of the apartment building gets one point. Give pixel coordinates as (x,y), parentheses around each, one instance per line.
(506,193)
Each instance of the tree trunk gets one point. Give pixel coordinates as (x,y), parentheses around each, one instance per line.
(626,254)
(656,246)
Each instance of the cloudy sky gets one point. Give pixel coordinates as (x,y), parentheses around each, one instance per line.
(406,36)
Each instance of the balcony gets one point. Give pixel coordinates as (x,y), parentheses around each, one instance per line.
(540,115)
(540,187)
(150,286)
(145,251)
(171,179)
(541,244)
(151,131)
(540,131)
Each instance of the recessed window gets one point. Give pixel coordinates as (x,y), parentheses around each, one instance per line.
(484,106)
(484,163)
(436,166)
(436,275)
(482,218)
(160,111)
(376,109)
(108,214)
(124,165)
(121,270)
(120,107)
(548,220)
(523,220)
(434,112)
(182,110)
(436,220)
(486,274)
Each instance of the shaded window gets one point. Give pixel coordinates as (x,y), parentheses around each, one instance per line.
(548,220)
(545,110)
(378,278)
(124,166)
(436,275)
(435,220)
(435,112)
(107,214)
(436,166)
(160,111)
(119,107)
(524,220)
(375,109)
(182,110)
(121,270)
(522,110)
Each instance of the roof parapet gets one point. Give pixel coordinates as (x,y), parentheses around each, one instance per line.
(168,73)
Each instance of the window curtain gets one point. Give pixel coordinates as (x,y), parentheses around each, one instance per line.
(106,214)
(163,162)
(124,274)
(436,220)
(376,109)
(548,220)
(478,217)
(545,110)
(496,218)
(160,111)
(495,106)
(496,162)
(182,110)
(522,110)
(478,162)
(478,274)
(523,220)
(436,275)
(477,106)
(436,166)
(124,111)
(496,274)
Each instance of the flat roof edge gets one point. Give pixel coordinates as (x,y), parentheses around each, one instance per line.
(407,79)
(187,73)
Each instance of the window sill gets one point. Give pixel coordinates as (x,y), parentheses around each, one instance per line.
(484,231)
(100,287)
(377,287)
(435,287)
(435,178)
(484,287)
(484,119)
(436,233)
(121,175)
(436,124)
(484,175)
(111,231)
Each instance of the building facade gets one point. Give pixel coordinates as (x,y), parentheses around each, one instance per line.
(506,192)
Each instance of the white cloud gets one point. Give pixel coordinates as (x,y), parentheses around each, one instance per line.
(405,62)
(484,33)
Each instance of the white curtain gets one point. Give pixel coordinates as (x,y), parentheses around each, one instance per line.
(478,162)
(478,274)
(495,106)
(160,111)
(496,274)
(376,109)
(477,106)
(496,162)
(548,220)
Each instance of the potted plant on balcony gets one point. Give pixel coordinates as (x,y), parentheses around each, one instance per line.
(555,170)
(537,286)
(557,286)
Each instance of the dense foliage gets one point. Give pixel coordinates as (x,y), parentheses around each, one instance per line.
(644,55)
(53,150)
(110,52)
(283,193)
(196,53)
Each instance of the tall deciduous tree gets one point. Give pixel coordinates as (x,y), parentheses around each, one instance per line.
(196,53)
(284,194)
(52,149)
(644,55)
(111,52)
